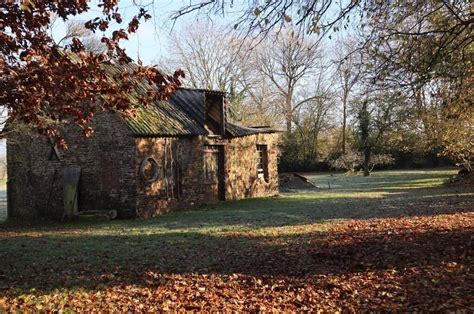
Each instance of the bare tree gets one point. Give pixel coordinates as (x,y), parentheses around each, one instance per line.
(348,72)
(314,116)
(261,102)
(213,58)
(287,60)
(265,17)
(76,29)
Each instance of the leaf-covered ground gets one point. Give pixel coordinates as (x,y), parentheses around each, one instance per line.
(397,240)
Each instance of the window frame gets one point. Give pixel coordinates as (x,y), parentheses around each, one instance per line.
(262,161)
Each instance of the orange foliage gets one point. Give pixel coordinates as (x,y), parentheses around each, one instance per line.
(42,84)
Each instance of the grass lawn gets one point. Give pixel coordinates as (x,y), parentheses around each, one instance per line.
(396,240)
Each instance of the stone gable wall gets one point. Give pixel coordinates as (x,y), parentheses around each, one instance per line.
(241,167)
(107,161)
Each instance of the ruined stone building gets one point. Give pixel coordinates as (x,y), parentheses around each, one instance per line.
(171,155)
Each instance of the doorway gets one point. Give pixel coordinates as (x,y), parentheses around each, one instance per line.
(214,174)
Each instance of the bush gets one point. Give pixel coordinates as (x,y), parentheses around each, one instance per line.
(352,161)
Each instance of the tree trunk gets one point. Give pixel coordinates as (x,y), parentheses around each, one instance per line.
(288,123)
(366,165)
(288,111)
(344,121)
(315,146)
(364,134)
(288,114)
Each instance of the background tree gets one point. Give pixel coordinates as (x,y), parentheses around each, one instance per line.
(287,60)
(314,117)
(414,48)
(348,72)
(77,29)
(214,57)
(366,144)
(377,115)
(425,51)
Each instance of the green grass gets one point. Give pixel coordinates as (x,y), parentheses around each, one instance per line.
(224,238)
(382,181)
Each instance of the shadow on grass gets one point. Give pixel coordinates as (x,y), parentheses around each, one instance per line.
(289,209)
(400,197)
(90,262)
(313,207)
(283,236)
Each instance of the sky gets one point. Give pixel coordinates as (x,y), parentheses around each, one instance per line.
(151,41)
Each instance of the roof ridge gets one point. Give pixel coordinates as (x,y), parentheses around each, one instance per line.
(205,90)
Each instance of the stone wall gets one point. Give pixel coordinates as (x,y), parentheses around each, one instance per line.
(107,161)
(241,167)
(111,175)
(179,183)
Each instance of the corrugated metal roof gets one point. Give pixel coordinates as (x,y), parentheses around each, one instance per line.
(162,118)
(183,114)
(191,102)
(237,130)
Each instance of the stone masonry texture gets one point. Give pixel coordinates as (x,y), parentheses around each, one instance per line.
(111,177)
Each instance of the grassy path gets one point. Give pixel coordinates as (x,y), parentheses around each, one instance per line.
(395,240)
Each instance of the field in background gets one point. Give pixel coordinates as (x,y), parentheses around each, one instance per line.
(381,180)
(395,240)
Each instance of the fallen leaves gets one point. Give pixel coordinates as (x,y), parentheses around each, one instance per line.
(417,263)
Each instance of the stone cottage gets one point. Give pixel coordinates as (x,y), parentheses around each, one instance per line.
(171,155)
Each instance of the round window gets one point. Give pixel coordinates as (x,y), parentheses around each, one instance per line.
(149,170)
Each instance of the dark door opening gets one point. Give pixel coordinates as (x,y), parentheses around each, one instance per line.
(214,173)
(221,174)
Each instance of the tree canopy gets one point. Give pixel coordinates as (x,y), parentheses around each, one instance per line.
(420,51)
(417,54)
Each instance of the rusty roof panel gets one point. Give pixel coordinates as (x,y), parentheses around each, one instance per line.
(183,114)
(237,131)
